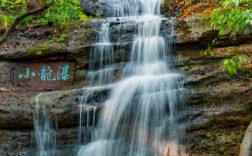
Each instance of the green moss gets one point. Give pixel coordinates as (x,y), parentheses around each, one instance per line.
(168,2)
(246,72)
(41,50)
(60,39)
(248,108)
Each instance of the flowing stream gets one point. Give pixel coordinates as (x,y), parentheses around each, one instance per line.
(143,115)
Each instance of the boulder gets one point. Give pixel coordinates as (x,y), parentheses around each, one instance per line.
(94,7)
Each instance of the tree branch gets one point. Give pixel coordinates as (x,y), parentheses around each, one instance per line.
(20,18)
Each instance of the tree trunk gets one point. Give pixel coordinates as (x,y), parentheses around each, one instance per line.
(246,142)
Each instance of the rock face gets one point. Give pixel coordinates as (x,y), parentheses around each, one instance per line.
(220,103)
(94,7)
(106,8)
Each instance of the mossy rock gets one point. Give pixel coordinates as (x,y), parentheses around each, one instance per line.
(223,133)
(218,142)
(40,50)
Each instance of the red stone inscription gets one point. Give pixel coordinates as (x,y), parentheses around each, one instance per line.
(44,75)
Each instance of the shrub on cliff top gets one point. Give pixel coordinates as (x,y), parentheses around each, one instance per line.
(234,16)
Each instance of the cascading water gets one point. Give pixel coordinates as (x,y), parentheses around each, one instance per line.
(44,131)
(141,116)
(100,73)
(121,8)
(103,55)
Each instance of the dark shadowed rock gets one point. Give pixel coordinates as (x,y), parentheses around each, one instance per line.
(15,110)
(6,72)
(16,142)
(94,7)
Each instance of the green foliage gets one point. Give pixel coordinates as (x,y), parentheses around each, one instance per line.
(232,65)
(235,15)
(7,20)
(10,9)
(61,14)
(61,38)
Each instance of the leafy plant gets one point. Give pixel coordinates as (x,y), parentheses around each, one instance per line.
(7,20)
(234,15)
(9,9)
(61,14)
(232,65)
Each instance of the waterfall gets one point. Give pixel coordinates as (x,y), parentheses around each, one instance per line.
(44,131)
(101,70)
(143,115)
(102,57)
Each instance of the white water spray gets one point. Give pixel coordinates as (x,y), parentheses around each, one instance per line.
(44,131)
(102,58)
(141,116)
